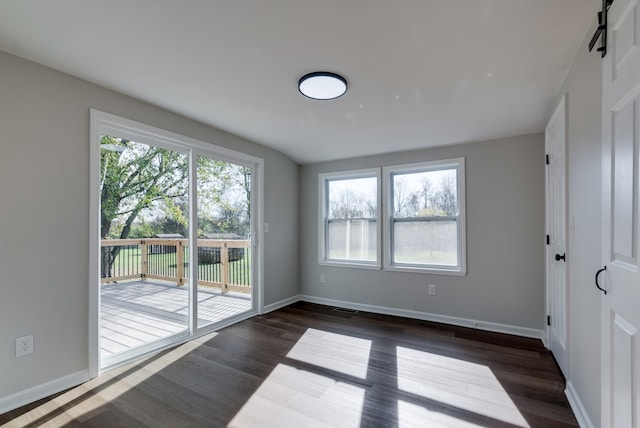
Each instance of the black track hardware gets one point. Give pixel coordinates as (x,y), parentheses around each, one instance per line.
(601,31)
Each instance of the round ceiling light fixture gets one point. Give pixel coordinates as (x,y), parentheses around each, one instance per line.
(322,85)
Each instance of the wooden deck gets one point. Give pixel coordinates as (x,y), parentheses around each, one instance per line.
(137,312)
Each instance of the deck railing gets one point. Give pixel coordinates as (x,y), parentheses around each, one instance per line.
(224,264)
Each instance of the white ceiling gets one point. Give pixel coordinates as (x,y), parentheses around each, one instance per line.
(421,73)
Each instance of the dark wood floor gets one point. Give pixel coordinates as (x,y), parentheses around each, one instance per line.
(309,366)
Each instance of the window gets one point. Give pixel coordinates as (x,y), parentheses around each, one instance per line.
(349,226)
(424,217)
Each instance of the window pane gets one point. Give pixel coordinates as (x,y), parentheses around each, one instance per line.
(353,198)
(224,239)
(351,231)
(144,226)
(425,194)
(426,242)
(352,240)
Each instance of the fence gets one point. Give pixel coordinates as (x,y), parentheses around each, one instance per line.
(225,264)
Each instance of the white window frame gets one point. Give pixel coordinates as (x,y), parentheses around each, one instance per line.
(461,268)
(323,210)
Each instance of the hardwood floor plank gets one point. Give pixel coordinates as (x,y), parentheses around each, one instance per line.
(308,365)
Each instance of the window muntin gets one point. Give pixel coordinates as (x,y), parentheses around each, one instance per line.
(349,227)
(425,217)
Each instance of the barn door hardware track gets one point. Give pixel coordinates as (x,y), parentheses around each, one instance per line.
(601,31)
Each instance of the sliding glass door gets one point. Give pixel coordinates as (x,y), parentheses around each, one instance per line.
(174,252)
(144,225)
(224,239)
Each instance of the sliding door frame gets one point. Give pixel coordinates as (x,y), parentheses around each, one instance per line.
(102,123)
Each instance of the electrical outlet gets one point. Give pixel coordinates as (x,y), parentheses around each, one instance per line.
(24,346)
(323,279)
(432,289)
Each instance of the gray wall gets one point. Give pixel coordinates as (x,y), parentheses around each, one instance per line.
(44,210)
(583,87)
(505,239)
(44,214)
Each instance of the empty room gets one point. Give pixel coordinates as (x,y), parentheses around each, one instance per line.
(320,214)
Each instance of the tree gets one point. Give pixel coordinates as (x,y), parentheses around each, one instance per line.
(445,198)
(425,200)
(144,191)
(426,193)
(400,197)
(350,204)
(224,197)
(134,177)
(246,182)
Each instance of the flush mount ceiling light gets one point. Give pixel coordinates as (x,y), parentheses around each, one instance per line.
(322,85)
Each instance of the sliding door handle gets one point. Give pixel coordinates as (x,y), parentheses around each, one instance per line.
(597,284)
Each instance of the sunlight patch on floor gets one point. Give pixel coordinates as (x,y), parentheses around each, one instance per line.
(295,398)
(456,383)
(414,416)
(89,397)
(338,352)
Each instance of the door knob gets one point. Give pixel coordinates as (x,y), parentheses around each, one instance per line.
(561,257)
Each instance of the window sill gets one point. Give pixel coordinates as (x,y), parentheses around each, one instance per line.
(426,270)
(350,265)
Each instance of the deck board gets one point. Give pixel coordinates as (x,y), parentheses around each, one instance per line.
(137,312)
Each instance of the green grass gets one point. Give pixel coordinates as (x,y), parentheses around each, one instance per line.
(427,257)
(410,257)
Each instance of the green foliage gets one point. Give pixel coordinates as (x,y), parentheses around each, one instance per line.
(224,197)
(134,177)
(143,230)
(144,191)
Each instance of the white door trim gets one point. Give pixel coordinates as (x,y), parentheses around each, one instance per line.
(556,311)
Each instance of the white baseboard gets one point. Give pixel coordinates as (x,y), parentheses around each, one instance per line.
(445,319)
(281,304)
(46,389)
(578,408)
(545,339)
(52,387)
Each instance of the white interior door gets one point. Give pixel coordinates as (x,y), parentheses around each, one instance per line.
(621,279)
(556,236)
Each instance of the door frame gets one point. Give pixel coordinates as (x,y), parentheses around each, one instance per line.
(560,110)
(105,123)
